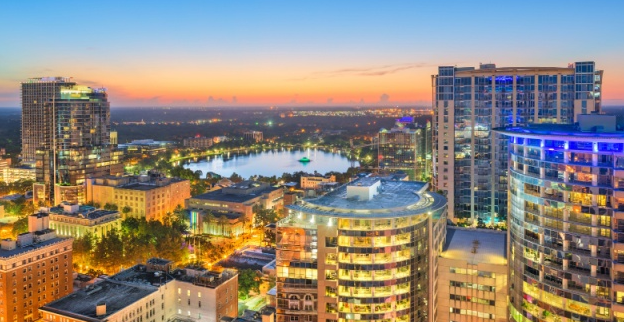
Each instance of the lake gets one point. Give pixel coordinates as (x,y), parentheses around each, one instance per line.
(272,163)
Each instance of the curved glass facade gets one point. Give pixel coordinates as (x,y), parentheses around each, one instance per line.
(565,214)
(364,264)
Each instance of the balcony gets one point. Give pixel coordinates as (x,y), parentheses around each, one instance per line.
(580,218)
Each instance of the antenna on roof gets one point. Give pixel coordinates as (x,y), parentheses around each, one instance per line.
(475,245)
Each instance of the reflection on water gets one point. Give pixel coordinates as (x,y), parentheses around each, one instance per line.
(272,163)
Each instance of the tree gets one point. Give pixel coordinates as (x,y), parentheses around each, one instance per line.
(110,206)
(108,253)
(236,178)
(223,221)
(209,219)
(20,226)
(126,210)
(82,251)
(263,216)
(248,280)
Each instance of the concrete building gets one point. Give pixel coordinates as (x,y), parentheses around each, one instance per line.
(407,148)
(197,142)
(154,291)
(366,251)
(233,202)
(470,159)
(149,196)
(255,136)
(76,221)
(65,135)
(34,269)
(566,219)
(472,276)
(314,180)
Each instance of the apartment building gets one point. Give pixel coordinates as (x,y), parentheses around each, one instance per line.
(35,269)
(470,159)
(366,251)
(566,219)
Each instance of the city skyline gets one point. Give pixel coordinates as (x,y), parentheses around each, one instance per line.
(319,54)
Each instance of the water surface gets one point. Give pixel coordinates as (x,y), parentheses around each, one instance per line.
(272,163)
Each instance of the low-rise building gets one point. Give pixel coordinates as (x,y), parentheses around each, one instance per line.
(472,276)
(149,196)
(146,146)
(154,291)
(34,269)
(314,181)
(197,142)
(235,201)
(76,221)
(255,136)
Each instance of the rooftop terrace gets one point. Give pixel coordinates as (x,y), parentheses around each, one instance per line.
(392,199)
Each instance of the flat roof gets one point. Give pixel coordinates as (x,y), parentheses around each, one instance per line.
(557,130)
(117,296)
(87,212)
(219,195)
(460,244)
(395,199)
(34,246)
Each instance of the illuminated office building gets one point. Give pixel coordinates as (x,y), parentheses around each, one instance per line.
(407,148)
(566,218)
(366,251)
(470,160)
(66,137)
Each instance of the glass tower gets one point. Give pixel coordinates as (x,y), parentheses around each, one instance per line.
(364,252)
(406,147)
(66,136)
(470,163)
(566,215)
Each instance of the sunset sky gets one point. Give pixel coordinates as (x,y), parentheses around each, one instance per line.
(288,53)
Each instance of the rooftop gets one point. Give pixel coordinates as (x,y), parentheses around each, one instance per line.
(393,199)
(145,186)
(116,295)
(34,246)
(589,126)
(490,249)
(85,212)
(129,286)
(241,195)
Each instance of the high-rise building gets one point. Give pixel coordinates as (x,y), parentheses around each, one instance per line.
(366,251)
(66,136)
(35,269)
(566,218)
(406,147)
(470,160)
